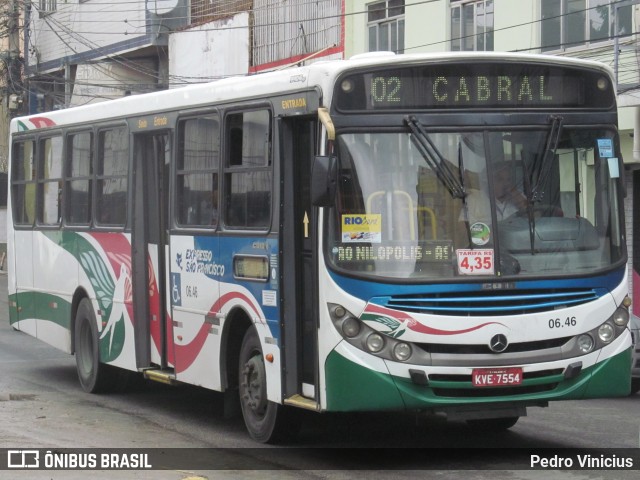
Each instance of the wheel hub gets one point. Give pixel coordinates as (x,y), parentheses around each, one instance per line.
(253,385)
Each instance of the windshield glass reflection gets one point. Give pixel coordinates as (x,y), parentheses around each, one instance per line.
(458,204)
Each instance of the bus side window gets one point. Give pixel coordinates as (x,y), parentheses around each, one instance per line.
(50,180)
(248,175)
(111,186)
(23,180)
(197,173)
(79,183)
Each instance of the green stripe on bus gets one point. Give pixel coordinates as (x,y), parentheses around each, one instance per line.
(40,306)
(611,377)
(351,387)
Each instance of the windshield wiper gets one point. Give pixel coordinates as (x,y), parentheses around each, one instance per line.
(434,159)
(465,207)
(544,168)
(535,191)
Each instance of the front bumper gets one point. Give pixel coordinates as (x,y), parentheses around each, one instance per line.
(357,381)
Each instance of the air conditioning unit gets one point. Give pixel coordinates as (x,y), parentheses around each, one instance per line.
(15,102)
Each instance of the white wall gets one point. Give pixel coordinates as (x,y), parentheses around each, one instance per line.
(514,25)
(97,82)
(210,51)
(78,27)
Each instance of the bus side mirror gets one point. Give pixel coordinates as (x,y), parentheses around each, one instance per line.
(324,180)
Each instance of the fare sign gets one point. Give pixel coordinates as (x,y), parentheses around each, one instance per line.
(496,377)
(475,262)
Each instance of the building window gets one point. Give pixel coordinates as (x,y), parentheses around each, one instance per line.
(472,25)
(571,23)
(47,6)
(386,26)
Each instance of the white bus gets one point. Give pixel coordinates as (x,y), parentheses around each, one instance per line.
(335,237)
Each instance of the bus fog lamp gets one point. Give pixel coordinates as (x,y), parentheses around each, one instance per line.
(375,342)
(402,351)
(621,317)
(350,327)
(339,311)
(606,332)
(585,343)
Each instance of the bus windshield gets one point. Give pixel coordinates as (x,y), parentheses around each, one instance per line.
(457,204)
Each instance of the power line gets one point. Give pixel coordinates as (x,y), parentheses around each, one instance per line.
(59,28)
(79,35)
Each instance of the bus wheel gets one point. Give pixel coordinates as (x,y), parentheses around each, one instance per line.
(493,424)
(264,419)
(94,376)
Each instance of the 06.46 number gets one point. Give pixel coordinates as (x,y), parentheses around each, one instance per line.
(561,323)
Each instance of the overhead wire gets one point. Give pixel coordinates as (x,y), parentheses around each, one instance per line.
(178,79)
(78,35)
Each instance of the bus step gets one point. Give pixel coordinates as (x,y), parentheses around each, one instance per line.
(302,402)
(167,377)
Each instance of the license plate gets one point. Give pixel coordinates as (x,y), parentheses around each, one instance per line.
(496,377)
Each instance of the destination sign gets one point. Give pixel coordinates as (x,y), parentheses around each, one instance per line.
(474,85)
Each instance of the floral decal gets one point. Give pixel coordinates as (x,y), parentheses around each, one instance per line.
(37,122)
(397,322)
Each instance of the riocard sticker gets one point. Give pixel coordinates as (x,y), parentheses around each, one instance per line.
(362,228)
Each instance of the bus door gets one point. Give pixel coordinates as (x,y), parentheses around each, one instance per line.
(299,236)
(149,239)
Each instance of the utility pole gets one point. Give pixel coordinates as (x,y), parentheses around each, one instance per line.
(8,53)
(14,60)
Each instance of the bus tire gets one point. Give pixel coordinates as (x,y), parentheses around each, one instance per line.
(94,377)
(265,420)
(493,424)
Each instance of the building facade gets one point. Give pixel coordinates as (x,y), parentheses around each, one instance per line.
(83,51)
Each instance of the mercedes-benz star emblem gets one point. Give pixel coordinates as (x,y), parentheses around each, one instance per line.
(498,343)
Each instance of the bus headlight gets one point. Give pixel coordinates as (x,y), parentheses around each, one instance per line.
(402,351)
(339,311)
(351,327)
(585,343)
(606,333)
(375,342)
(621,317)
(381,343)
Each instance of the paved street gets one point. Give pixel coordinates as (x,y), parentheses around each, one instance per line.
(42,406)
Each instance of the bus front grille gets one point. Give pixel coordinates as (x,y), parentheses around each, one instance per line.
(459,349)
(489,302)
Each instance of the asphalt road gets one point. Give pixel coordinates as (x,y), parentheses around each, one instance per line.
(43,406)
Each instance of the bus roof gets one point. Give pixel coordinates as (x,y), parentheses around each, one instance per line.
(320,74)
